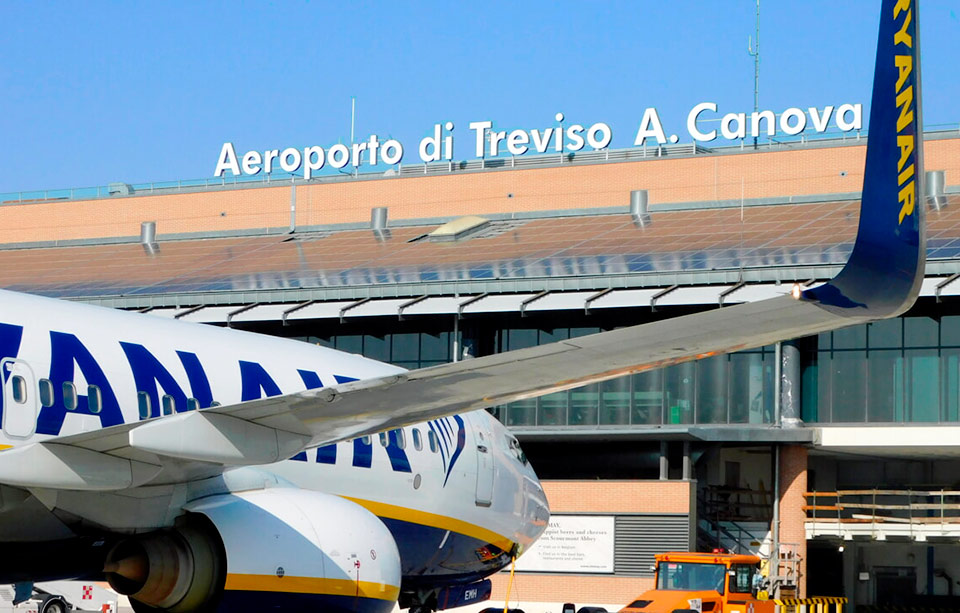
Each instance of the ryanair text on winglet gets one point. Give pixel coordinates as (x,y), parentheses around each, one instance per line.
(906,139)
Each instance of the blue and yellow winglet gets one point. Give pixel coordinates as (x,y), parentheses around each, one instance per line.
(885,270)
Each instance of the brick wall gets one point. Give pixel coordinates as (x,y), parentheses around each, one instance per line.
(601,497)
(703,178)
(793,486)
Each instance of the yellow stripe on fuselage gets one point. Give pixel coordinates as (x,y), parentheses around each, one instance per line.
(5,447)
(423,518)
(311,585)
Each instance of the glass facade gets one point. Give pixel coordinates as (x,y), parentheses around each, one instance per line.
(903,370)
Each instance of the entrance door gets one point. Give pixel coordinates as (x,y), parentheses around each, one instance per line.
(484,465)
(20,402)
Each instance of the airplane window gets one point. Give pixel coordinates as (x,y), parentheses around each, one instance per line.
(69,396)
(94,400)
(46,393)
(365,439)
(168,404)
(143,402)
(193,404)
(432,438)
(401,439)
(383,439)
(417,442)
(19,385)
(214,404)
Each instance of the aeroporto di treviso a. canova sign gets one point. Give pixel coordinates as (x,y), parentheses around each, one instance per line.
(488,142)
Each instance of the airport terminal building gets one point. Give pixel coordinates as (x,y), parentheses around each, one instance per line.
(839,452)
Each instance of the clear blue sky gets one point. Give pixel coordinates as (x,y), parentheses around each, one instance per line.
(97,92)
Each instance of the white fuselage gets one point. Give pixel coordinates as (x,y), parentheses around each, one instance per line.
(447,489)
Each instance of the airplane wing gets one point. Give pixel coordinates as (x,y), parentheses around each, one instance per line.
(881,279)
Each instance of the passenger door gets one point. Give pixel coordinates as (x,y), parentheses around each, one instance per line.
(485,464)
(20,398)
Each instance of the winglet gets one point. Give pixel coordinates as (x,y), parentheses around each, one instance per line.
(885,270)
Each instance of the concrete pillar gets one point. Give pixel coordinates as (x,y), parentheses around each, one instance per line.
(664,462)
(793,486)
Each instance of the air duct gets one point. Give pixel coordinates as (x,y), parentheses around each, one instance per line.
(936,194)
(378,223)
(148,237)
(638,208)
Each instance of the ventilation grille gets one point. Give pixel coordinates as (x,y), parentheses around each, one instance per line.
(640,537)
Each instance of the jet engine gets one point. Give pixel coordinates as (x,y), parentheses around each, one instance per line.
(281,547)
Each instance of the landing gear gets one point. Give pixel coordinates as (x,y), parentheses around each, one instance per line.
(419,601)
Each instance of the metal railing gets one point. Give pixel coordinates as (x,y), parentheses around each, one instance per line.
(329,175)
(884,506)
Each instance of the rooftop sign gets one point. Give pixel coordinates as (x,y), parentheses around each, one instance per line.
(485,141)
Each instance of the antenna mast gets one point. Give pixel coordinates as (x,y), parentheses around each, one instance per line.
(755,52)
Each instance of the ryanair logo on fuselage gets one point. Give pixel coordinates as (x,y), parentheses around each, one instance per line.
(906,133)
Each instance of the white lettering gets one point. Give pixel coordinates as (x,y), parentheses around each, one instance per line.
(391,151)
(755,119)
(250,163)
(290,159)
(650,126)
(338,156)
(541,140)
(227,161)
(313,159)
(480,127)
(601,129)
(856,123)
(517,142)
(692,122)
(268,158)
(796,114)
(558,134)
(430,146)
(372,147)
(573,135)
(820,121)
(495,138)
(730,118)
(357,158)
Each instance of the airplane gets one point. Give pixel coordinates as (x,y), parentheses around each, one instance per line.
(206,469)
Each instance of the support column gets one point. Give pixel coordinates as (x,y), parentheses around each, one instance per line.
(664,462)
(793,486)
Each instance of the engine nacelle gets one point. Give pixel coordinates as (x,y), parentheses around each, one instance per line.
(277,548)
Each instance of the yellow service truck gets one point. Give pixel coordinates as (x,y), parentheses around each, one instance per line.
(705,583)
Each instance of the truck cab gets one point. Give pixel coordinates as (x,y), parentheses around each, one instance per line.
(704,582)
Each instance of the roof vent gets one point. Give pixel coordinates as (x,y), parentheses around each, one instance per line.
(936,196)
(378,223)
(119,189)
(638,208)
(459,229)
(148,237)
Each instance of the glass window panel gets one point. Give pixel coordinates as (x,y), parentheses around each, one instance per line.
(552,409)
(584,405)
(950,363)
(615,401)
(575,332)
(193,404)
(417,441)
(648,397)
(824,341)
(383,439)
(432,439)
(69,396)
(94,402)
(143,405)
(769,378)
(554,335)
(169,405)
(950,331)
(712,390)
(746,388)
(376,347)
(406,347)
(46,393)
(520,339)
(886,334)
(678,384)
(401,438)
(854,337)
(848,401)
(923,385)
(19,388)
(352,343)
(920,332)
(810,387)
(885,386)
(435,347)
(522,413)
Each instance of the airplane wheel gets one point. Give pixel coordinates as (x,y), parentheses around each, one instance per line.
(54,605)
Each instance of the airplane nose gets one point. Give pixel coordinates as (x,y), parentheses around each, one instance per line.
(537,508)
